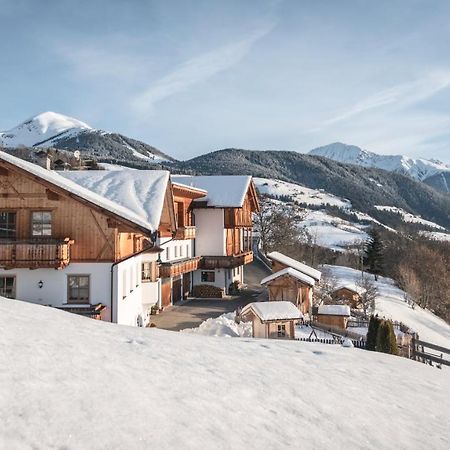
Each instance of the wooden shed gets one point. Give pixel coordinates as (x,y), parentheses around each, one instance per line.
(291,285)
(272,320)
(333,315)
(350,293)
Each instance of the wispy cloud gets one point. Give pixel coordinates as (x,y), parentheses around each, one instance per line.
(197,70)
(398,96)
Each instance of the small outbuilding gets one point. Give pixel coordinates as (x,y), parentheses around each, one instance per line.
(350,293)
(333,315)
(272,320)
(280,262)
(291,285)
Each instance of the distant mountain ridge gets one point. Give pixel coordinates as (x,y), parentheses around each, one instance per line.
(51,129)
(365,187)
(417,168)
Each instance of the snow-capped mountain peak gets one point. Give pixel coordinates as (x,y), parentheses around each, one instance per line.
(419,169)
(41,128)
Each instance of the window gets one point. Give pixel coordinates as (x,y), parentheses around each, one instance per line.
(187,251)
(181,251)
(78,289)
(41,223)
(149,272)
(124,284)
(131,286)
(175,249)
(167,254)
(281,330)
(208,276)
(8,287)
(7,225)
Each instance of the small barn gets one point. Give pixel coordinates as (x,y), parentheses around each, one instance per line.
(349,293)
(291,285)
(272,320)
(333,315)
(280,262)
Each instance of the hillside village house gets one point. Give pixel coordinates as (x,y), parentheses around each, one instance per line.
(109,243)
(349,293)
(271,320)
(291,280)
(291,285)
(223,219)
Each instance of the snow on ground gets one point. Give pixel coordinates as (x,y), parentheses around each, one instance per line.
(222,326)
(391,304)
(436,235)
(332,232)
(75,383)
(408,217)
(299,193)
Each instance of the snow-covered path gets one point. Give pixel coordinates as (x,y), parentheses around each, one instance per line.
(75,383)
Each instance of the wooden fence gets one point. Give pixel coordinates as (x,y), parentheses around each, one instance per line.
(357,344)
(421,352)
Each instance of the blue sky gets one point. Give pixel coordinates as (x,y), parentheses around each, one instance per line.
(194,76)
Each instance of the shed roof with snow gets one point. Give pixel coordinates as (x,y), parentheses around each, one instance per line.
(224,191)
(135,195)
(334,310)
(272,311)
(297,265)
(289,271)
(351,287)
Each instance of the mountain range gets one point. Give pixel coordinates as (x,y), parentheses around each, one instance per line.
(366,179)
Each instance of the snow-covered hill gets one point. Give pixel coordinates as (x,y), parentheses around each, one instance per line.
(392,305)
(419,169)
(71,382)
(50,129)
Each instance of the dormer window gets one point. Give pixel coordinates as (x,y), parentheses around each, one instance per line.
(41,223)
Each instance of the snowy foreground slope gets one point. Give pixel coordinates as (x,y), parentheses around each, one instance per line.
(74,383)
(391,304)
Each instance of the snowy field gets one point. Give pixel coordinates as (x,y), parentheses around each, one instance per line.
(68,382)
(408,217)
(299,193)
(391,304)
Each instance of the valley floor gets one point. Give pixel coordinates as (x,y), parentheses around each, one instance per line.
(75,383)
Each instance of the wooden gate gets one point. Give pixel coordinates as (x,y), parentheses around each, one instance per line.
(176,290)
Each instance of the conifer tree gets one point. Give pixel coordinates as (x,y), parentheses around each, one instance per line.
(374,253)
(386,341)
(371,339)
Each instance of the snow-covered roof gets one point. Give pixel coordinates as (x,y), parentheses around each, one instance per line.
(293,273)
(187,186)
(334,310)
(267,311)
(351,287)
(224,191)
(297,265)
(135,195)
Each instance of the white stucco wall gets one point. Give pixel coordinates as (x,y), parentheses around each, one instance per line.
(210,236)
(177,249)
(223,277)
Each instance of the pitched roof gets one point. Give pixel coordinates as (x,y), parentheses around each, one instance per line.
(267,311)
(293,273)
(334,310)
(223,191)
(351,287)
(135,195)
(297,265)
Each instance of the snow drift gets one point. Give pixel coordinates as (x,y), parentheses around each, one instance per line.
(75,383)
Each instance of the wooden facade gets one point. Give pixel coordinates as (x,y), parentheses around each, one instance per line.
(287,288)
(80,231)
(226,262)
(332,321)
(351,297)
(175,268)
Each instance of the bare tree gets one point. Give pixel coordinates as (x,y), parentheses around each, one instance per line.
(368,294)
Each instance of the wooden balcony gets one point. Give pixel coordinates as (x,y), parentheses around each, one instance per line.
(185,233)
(226,262)
(172,269)
(35,253)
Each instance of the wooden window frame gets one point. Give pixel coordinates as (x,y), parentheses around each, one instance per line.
(69,300)
(152,278)
(15,212)
(14,285)
(281,330)
(41,236)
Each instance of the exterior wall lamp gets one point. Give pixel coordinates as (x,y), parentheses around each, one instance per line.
(40,284)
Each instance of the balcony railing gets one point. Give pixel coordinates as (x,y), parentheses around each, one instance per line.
(185,233)
(172,269)
(35,253)
(226,262)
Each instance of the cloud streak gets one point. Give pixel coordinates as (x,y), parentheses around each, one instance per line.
(398,96)
(197,70)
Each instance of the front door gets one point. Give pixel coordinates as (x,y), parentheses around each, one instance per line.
(176,290)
